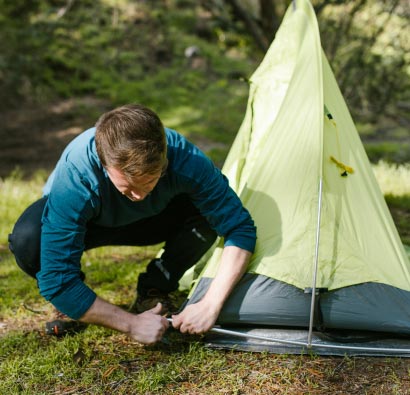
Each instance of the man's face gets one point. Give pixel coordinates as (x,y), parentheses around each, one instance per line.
(137,189)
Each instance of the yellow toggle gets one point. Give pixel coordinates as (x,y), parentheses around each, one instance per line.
(344,168)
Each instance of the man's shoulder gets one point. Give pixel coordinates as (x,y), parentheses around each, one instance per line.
(179,145)
(81,150)
(173,137)
(82,141)
(186,160)
(78,157)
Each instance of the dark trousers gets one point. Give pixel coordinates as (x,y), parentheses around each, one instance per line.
(187,236)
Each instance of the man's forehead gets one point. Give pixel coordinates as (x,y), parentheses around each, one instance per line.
(142,179)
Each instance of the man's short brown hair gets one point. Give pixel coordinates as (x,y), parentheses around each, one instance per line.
(132,140)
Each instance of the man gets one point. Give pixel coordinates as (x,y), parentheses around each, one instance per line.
(129,181)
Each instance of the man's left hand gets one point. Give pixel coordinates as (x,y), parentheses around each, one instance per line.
(196,318)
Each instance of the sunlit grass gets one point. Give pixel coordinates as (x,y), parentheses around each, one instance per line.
(101,361)
(393,179)
(16,194)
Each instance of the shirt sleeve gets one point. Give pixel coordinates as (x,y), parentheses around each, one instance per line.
(68,209)
(221,206)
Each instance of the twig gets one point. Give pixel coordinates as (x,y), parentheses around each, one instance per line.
(33,310)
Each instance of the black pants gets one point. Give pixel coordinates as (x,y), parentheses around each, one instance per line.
(187,236)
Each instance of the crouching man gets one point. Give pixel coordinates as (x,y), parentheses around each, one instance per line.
(130,181)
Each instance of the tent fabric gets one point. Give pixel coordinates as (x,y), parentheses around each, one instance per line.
(293,341)
(263,301)
(298,159)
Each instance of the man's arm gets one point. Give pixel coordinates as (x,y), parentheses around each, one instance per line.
(146,328)
(200,317)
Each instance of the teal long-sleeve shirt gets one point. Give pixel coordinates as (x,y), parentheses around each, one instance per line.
(80,192)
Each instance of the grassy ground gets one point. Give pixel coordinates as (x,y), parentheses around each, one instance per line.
(100,361)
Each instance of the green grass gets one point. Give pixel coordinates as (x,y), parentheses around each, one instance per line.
(122,67)
(393,151)
(394,180)
(101,361)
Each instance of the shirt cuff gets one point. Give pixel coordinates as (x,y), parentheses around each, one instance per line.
(74,300)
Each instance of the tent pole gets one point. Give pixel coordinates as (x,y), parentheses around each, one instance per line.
(313,300)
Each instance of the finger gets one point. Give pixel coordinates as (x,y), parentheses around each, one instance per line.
(157,309)
(165,323)
(176,321)
(186,329)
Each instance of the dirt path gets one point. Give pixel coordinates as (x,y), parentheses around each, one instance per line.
(33,137)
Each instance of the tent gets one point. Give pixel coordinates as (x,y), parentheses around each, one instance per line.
(328,259)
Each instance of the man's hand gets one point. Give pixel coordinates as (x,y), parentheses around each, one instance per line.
(195,318)
(148,327)
(200,317)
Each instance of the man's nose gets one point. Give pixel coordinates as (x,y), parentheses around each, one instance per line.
(137,195)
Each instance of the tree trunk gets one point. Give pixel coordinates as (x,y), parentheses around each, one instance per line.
(269,18)
(250,24)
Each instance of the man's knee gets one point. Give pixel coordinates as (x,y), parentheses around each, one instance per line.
(24,241)
(26,251)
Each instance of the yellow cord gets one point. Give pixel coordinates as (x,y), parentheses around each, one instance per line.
(344,169)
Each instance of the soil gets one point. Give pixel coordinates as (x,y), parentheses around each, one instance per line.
(33,137)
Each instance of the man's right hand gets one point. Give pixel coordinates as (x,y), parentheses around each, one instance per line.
(149,326)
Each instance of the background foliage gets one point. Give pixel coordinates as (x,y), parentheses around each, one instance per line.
(189,59)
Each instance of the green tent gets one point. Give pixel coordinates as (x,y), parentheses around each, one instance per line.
(328,254)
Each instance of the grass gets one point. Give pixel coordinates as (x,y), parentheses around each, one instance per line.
(100,361)
(394,180)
